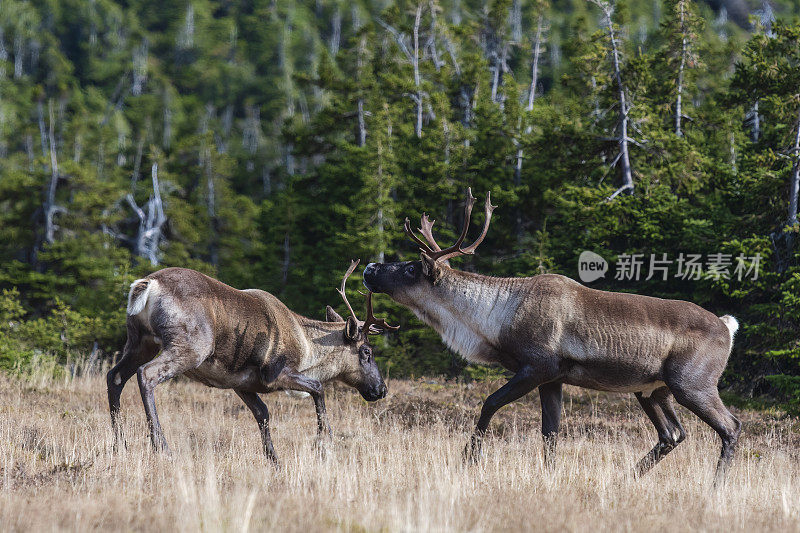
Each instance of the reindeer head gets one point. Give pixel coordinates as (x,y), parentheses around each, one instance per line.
(405,281)
(364,375)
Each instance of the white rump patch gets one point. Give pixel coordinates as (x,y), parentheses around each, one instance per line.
(731,323)
(137,306)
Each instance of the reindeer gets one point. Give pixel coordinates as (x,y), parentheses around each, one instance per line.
(245,340)
(550,330)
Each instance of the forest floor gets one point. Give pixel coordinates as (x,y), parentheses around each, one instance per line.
(394,465)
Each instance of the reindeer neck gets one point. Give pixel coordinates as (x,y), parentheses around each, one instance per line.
(327,353)
(468,310)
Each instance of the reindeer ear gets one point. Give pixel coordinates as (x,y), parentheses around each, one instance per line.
(428,266)
(331,315)
(351,329)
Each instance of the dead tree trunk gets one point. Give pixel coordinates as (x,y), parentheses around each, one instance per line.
(681,67)
(336,34)
(286,259)
(362,124)
(415,63)
(755,123)
(531,94)
(211,200)
(150,222)
(137,160)
(50,207)
(413,58)
(531,98)
(794,183)
(622,125)
(42,127)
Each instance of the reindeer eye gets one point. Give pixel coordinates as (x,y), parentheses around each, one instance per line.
(410,270)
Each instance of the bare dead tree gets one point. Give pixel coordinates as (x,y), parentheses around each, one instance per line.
(682,65)
(167,136)
(227,125)
(137,159)
(266,181)
(362,124)
(122,142)
(794,183)
(287,258)
(336,34)
(185,37)
(413,57)
(42,128)
(753,119)
(415,63)
(496,47)
(151,221)
(77,147)
(515,17)
(50,208)
(766,18)
(139,68)
(29,151)
(3,55)
(537,47)
(211,197)
(430,44)
(537,44)
(19,55)
(622,125)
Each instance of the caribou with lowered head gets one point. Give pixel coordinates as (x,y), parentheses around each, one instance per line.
(245,340)
(550,330)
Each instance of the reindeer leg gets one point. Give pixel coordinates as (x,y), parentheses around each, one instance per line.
(550,396)
(136,352)
(664,399)
(292,380)
(521,384)
(323,426)
(261,414)
(172,362)
(667,431)
(707,405)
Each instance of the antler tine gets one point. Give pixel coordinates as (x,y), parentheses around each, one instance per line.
(427,231)
(372,325)
(353,264)
(489,208)
(424,247)
(456,248)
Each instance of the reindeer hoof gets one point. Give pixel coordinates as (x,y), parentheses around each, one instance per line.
(472,452)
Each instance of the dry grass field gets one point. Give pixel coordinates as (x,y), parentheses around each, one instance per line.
(393,466)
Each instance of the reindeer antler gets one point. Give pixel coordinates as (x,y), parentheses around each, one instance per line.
(353,264)
(433,250)
(372,325)
(427,231)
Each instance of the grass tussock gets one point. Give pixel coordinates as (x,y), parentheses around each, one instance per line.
(393,466)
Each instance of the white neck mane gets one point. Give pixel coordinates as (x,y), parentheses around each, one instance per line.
(467,312)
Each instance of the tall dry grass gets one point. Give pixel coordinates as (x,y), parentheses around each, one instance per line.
(394,465)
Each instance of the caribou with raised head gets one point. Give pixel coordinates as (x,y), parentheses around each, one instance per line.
(245,340)
(550,330)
